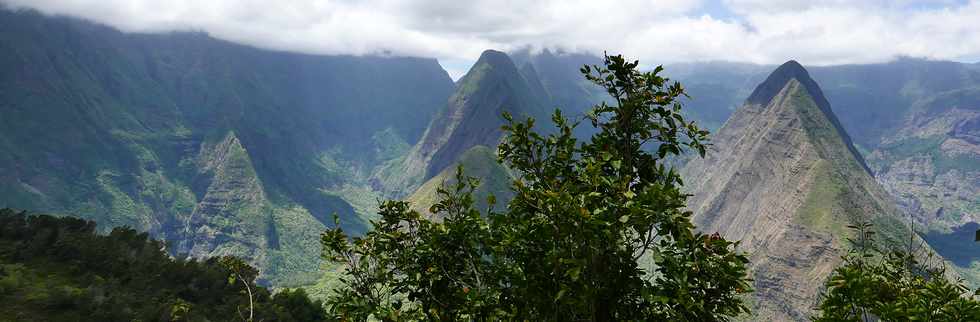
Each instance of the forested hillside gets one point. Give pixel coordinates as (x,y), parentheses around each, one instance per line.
(60,269)
(215,147)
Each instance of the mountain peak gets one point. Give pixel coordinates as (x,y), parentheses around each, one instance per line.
(471,117)
(779,78)
(784,178)
(491,65)
(792,66)
(494,58)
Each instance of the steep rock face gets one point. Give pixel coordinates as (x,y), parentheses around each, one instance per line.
(792,70)
(472,117)
(932,167)
(231,216)
(784,179)
(468,131)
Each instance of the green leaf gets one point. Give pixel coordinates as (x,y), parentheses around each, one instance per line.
(605,155)
(561,293)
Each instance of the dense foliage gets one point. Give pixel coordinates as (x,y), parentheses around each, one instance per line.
(569,246)
(60,269)
(894,285)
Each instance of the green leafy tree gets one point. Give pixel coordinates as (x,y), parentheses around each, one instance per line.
(893,285)
(568,246)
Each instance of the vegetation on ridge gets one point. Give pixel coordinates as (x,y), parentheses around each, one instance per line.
(60,269)
(876,284)
(568,244)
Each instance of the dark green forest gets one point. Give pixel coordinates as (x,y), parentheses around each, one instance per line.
(60,269)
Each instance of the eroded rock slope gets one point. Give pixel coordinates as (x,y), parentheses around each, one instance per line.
(784,178)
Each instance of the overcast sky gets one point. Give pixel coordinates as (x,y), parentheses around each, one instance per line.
(821,32)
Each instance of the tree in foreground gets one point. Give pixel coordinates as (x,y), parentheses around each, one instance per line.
(894,285)
(569,245)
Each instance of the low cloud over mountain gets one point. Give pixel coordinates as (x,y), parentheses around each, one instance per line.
(813,32)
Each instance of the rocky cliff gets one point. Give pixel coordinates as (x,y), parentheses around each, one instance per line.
(932,167)
(784,178)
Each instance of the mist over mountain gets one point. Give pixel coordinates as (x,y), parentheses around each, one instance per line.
(871,101)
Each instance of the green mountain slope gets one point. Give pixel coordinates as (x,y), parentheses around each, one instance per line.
(479,162)
(472,117)
(783,178)
(215,147)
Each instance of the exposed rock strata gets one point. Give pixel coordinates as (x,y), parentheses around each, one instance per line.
(783,178)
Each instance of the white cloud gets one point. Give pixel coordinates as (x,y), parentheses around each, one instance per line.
(814,32)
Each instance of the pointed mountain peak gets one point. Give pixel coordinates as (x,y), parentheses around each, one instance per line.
(492,65)
(778,79)
(494,58)
(472,117)
(792,66)
(784,178)
(781,77)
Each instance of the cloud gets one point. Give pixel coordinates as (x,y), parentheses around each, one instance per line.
(817,32)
